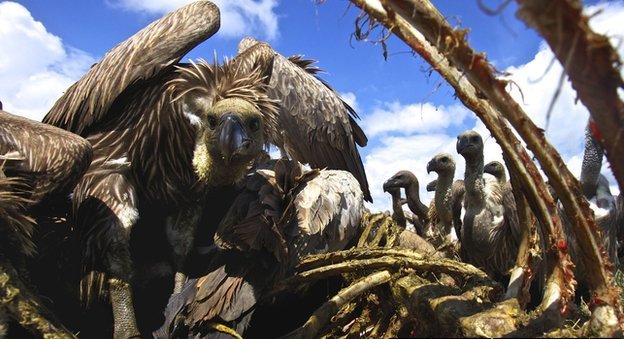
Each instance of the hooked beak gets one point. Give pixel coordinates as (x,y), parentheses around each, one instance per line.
(233,137)
(388,185)
(462,144)
(430,166)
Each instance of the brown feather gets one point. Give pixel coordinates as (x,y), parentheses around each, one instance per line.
(316,126)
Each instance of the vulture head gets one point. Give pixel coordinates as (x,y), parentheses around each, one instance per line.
(496,169)
(400,179)
(233,116)
(441,163)
(469,145)
(431,186)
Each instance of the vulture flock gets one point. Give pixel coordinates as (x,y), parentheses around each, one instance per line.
(476,216)
(147,203)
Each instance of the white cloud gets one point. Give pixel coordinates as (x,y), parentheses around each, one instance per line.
(238,17)
(412,118)
(35,67)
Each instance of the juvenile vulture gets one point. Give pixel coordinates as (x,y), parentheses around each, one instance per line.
(408,181)
(488,239)
(448,196)
(166,134)
(280,216)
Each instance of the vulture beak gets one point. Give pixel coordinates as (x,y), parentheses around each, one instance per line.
(431,166)
(233,137)
(388,185)
(462,144)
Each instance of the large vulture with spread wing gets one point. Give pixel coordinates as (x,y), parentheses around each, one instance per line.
(281,215)
(165,134)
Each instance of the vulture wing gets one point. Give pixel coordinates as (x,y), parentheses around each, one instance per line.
(315,125)
(48,158)
(16,227)
(152,51)
(329,208)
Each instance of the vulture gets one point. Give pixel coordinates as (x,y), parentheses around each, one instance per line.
(448,196)
(488,238)
(280,216)
(408,181)
(167,136)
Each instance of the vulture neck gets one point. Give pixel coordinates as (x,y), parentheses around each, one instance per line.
(442,198)
(592,163)
(397,210)
(213,172)
(502,179)
(474,183)
(414,203)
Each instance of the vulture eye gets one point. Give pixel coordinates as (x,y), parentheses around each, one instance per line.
(212,122)
(254,124)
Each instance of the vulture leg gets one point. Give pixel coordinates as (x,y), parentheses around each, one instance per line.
(180,233)
(106,211)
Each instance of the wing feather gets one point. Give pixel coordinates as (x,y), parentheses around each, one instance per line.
(316,126)
(153,50)
(49,158)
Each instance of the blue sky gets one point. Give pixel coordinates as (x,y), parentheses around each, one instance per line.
(408,112)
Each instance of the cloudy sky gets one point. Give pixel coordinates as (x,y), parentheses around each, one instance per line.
(408,112)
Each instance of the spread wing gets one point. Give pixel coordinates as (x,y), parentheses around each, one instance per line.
(152,51)
(316,126)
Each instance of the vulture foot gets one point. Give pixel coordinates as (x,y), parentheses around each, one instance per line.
(123,310)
